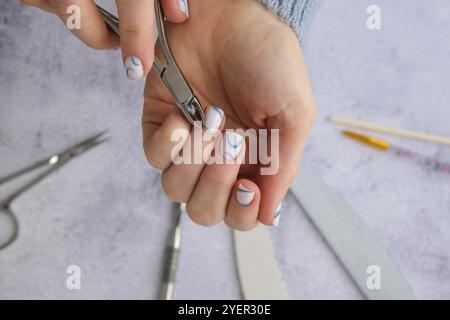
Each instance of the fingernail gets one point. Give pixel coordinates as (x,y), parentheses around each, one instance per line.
(134,68)
(244,196)
(276,219)
(231,145)
(182,4)
(214,117)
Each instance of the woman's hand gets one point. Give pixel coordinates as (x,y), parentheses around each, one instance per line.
(136,27)
(240,57)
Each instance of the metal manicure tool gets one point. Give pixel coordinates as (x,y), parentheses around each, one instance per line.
(170,74)
(9,226)
(172,257)
(190,106)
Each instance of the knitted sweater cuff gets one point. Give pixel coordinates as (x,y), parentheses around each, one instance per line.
(295,13)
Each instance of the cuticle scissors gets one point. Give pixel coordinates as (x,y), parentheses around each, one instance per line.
(170,74)
(54,162)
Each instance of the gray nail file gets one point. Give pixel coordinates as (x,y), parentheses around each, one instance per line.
(257,265)
(349,237)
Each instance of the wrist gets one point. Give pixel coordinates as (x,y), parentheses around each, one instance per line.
(295,13)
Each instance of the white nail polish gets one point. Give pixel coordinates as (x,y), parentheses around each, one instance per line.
(134,68)
(244,196)
(231,145)
(182,4)
(214,118)
(276,219)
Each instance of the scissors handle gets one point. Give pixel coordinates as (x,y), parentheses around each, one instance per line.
(54,162)
(162,37)
(26,170)
(9,226)
(6,202)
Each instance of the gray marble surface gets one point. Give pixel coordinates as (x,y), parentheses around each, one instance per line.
(106,213)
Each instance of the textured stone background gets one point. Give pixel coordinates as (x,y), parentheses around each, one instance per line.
(106,213)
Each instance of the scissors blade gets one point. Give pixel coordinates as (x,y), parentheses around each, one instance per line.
(84,146)
(61,159)
(174,79)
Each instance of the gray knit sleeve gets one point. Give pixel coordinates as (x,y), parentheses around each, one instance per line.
(296,13)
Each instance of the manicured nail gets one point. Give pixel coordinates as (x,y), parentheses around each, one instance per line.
(276,219)
(134,68)
(182,4)
(244,196)
(231,145)
(214,118)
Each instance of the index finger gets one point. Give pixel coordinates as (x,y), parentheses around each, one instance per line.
(136,31)
(136,36)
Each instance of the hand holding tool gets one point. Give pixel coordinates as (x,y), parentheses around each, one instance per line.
(170,73)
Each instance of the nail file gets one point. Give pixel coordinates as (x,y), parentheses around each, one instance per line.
(349,237)
(257,266)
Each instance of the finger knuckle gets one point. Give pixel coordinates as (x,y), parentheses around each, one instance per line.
(58,4)
(310,114)
(154,160)
(99,44)
(59,7)
(173,190)
(238,224)
(216,181)
(132,34)
(30,2)
(201,216)
(153,157)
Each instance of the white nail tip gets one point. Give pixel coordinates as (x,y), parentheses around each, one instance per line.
(276,219)
(244,196)
(134,68)
(214,118)
(231,145)
(182,4)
